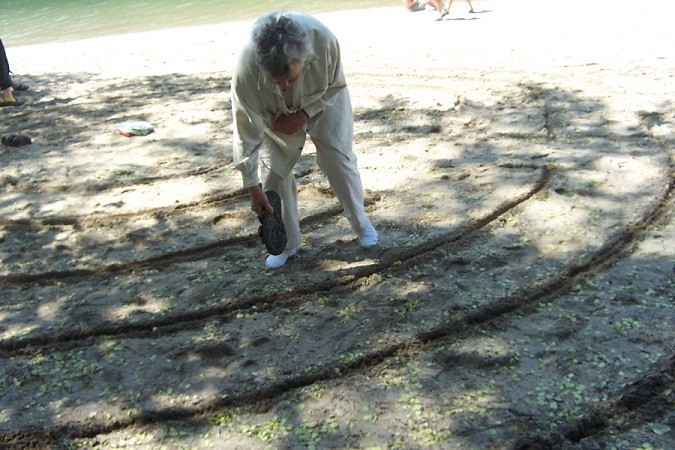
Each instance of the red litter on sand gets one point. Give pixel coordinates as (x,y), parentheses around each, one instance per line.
(138,128)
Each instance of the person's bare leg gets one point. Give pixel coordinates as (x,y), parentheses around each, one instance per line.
(7,94)
(440,8)
(470,6)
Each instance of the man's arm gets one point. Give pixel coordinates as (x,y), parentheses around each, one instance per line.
(248,124)
(291,123)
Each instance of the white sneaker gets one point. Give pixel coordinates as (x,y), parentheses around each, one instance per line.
(276,261)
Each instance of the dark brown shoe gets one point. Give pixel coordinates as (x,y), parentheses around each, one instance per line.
(272,231)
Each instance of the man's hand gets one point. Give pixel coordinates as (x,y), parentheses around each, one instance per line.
(291,123)
(259,201)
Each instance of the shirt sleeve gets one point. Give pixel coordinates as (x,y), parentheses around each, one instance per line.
(248,122)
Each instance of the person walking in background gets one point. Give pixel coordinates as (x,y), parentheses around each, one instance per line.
(447,9)
(289,83)
(6,83)
(420,5)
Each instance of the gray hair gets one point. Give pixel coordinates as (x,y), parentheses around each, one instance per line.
(279,42)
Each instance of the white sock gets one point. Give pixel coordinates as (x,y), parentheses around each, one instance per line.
(368,238)
(276,261)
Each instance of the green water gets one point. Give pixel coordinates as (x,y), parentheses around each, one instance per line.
(24,22)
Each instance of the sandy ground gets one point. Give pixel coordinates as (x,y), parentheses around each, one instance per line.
(519,167)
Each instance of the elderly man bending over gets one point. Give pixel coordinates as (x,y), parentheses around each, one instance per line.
(288,83)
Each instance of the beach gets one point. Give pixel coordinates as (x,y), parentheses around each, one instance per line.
(518,165)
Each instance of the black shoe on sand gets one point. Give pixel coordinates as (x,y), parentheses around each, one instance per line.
(16,140)
(272,231)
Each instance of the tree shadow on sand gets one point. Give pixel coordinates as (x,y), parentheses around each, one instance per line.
(494,264)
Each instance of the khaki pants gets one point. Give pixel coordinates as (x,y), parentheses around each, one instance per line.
(344,179)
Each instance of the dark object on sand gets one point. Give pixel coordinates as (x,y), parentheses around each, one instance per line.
(16,140)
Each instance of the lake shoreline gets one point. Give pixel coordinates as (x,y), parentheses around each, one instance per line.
(41,22)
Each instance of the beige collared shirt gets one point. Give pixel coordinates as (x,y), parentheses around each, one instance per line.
(257,101)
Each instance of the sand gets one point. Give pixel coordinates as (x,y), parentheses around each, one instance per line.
(518,164)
